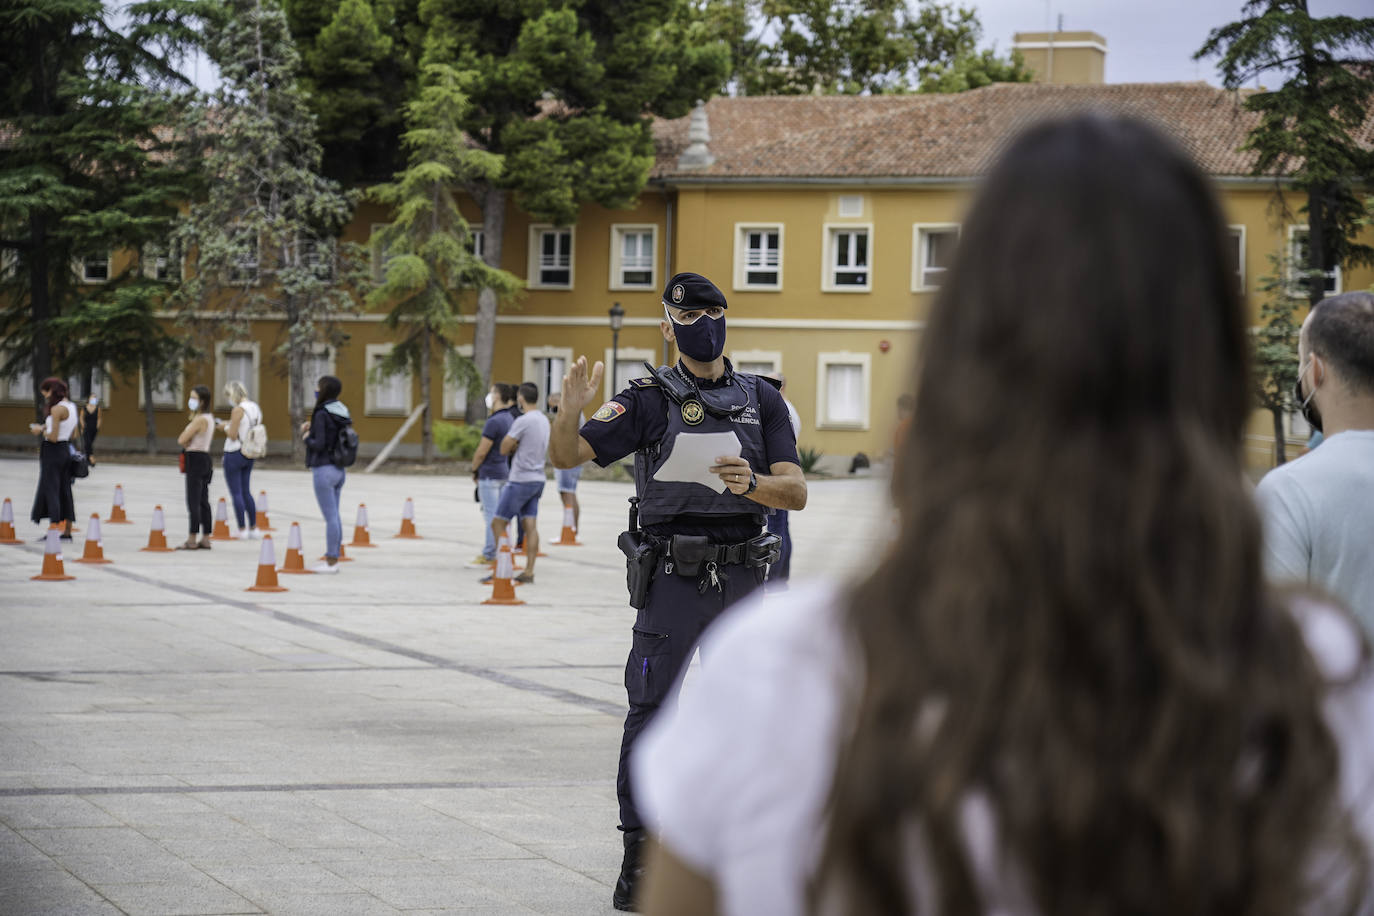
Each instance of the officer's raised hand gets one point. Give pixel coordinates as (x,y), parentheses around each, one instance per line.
(566,448)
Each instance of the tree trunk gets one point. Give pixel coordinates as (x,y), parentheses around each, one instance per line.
(296,343)
(484,333)
(149,417)
(39,308)
(1280,446)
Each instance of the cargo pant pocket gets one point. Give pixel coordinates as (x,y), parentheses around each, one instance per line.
(645,673)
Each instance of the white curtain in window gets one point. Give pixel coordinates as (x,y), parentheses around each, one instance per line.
(626,369)
(389,392)
(844,393)
(548,375)
(238,367)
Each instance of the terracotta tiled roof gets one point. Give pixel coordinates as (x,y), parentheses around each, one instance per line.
(942,136)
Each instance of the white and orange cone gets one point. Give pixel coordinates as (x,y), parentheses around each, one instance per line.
(502,586)
(569,536)
(509,541)
(408,521)
(221,529)
(157,535)
(52,559)
(117,516)
(267,569)
(7,524)
(261,507)
(294,562)
(95,546)
(361,536)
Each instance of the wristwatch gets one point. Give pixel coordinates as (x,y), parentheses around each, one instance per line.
(753,484)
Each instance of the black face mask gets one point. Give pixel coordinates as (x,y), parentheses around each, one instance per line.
(1307,405)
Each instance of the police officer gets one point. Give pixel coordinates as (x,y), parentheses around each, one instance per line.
(694,548)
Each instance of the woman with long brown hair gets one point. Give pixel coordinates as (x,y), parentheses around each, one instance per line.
(1067,689)
(53,500)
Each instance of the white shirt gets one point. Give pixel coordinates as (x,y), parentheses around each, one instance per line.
(1318,513)
(735,778)
(531,430)
(252,416)
(67,426)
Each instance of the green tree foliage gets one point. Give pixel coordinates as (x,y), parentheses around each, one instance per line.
(797,47)
(1306,132)
(264,236)
(359,64)
(563,92)
(428,246)
(1275,369)
(89,161)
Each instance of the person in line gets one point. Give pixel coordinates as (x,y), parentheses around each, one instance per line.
(780,572)
(1068,689)
(238,468)
(90,416)
(527,445)
(694,546)
(490,468)
(321,434)
(195,444)
(1318,509)
(567,478)
(53,499)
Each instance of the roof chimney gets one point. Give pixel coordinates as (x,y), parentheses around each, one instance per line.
(1076,58)
(697,155)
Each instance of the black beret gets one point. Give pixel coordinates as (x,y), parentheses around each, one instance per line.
(688,291)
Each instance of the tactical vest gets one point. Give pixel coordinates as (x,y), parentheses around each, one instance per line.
(661,501)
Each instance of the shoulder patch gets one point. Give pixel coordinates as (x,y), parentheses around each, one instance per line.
(609,411)
(644,382)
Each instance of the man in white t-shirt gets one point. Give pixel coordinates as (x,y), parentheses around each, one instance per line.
(1319,509)
(527,444)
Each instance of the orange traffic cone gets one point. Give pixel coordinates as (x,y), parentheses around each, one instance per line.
(157,535)
(509,542)
(117,516)
(569,536)
(7,524)
(294,562)
(52,559)
(360,532)
(221,529)
(95,548)
(408,521)
(261,506)
(267,569)
(502,588)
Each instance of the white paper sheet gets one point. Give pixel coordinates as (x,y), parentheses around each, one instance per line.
(693,456)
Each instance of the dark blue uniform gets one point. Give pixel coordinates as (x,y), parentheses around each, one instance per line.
(643,420)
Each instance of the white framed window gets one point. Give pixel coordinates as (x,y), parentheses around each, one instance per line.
(455,404)
(93,268)
(759,362)
(632,256)
(238,361)
(545,367)
(387,395)
(166,394)
(9,264)
(244,268)
(932,254)
(1297,266)
(758,256)
(99,387)
(848,263)
(315,364)
(551,258)
(843,390)
(19,387)
(160,263)
(1235,245)
(850,206)
(477,242)
(318,255)
(380,258)
(629,363)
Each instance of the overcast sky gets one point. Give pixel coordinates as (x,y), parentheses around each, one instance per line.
(1148,41)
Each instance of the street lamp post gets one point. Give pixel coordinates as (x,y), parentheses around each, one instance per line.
(617,319)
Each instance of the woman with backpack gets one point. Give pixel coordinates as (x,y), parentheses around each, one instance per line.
(321,433)
(245,439)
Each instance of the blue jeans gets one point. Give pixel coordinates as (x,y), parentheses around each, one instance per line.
(329,482)
(236,471)
(520,499)
(489,492)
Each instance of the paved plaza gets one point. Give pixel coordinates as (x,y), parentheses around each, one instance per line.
(375,742)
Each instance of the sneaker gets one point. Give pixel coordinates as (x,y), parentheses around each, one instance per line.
(254,534)
(525,578)
(324,568)
(487,580)
(480,560)
(239,535)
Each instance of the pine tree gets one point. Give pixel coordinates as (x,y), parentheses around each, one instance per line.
(90,162)
(265,234)
(1275,369)
(563,93)
(428,246)
(1306,135)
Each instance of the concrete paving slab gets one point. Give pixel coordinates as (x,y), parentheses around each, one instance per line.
(373,742)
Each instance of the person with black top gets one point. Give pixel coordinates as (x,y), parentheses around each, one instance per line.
(321,433)
(701,547)
(53,500)
(90,417)
(195,443)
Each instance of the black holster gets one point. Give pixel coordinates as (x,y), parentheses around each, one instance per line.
(641,559)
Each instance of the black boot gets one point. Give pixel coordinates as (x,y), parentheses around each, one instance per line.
(631,870)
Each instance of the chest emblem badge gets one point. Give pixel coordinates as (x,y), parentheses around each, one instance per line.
(692,413)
